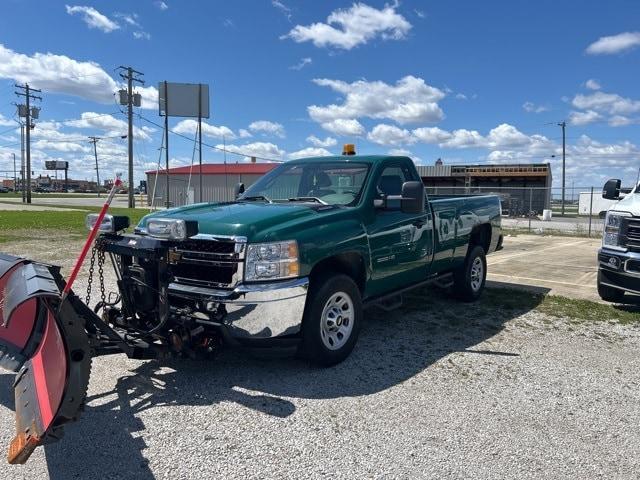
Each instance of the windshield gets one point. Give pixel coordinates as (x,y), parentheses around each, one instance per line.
(329,183)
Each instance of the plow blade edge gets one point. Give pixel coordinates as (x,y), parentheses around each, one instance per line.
(45,343)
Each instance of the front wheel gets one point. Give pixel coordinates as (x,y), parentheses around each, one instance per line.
(332,319)
(469,280)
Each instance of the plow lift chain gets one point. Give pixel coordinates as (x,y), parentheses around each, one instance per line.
(96,251)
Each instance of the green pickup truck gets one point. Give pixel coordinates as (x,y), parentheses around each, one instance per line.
(293,261)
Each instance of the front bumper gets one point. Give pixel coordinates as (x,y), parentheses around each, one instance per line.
(258,311)
(619,270)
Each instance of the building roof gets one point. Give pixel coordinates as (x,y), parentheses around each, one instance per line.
(220,169)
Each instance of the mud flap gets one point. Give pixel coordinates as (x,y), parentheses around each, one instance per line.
(46,344)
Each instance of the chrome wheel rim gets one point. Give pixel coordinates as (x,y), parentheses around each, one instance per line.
(336,322)
(477,273)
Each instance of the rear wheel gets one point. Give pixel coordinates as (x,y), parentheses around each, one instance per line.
(332,319)
(610,294)
(469,280)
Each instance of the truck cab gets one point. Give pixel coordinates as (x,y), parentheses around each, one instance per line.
(619,256)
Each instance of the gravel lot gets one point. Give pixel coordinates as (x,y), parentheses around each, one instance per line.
(434,390)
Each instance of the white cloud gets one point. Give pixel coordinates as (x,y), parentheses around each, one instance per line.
(141,35)
(533,108)
(348,28)
(346,127)
(614,44)
(622,121)
(6,122)
(129,18)
(593,84)
(383,134)
(58,74)
(431,135)
(257,149)
(310,152)
(93,18)
(61,74)
(286,11)
(149,97)
(584,118)
(505,135)
(327,142)
(463,138)
(189,127)
(107,123)
(461,96)
(610,103)
(410,100)
(244,133)
(161,5)
(61,146)
(301,64)
(266,126)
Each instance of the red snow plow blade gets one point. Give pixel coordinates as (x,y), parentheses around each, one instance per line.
(46,344)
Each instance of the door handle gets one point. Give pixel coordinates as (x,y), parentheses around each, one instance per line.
(419,223)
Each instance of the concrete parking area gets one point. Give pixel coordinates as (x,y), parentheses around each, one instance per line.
(551,264)
(79,200)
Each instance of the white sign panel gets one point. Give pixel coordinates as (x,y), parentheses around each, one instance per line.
(181,99)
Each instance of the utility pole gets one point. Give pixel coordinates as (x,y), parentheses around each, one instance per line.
(130,99)
(22,186)
(15,174)
(563,124)
(94,140)
(27,113)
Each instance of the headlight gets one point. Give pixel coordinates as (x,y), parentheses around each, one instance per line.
(272,261)
(110,223)
(171,228)
(612,225)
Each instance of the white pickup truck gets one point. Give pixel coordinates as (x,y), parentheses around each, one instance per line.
(619,257)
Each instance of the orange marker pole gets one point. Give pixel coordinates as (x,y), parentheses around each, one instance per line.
(90,239)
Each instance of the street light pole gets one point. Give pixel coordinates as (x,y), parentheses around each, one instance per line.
(94,140)
(563,124)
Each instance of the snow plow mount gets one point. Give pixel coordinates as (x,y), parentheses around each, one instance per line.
(49,343)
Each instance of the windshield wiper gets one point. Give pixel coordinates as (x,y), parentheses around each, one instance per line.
(251,198)
(308,199)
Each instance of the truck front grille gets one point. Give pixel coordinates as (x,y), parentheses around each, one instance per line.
(631,233)
(208,263)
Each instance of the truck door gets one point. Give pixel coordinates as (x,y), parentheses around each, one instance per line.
(401,243)
(46,345)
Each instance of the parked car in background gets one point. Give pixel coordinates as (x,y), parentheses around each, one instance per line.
(619,257)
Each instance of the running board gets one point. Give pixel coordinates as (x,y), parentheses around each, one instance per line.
(441,279)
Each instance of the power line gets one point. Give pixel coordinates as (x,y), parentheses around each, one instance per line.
(225,150)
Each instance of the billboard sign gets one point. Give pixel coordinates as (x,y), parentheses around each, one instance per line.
(56,165)
(183,99)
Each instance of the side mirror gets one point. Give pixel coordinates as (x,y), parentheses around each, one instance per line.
(611,189)
(238,190)
(412,200)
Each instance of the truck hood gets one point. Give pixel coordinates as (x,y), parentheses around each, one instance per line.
(248,219)
(630,203)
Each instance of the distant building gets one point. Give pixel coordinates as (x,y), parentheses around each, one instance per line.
(520,185)
(218,181)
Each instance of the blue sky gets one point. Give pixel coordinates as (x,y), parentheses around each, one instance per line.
(467,81)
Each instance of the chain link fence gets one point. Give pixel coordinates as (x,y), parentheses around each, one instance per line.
(542,210)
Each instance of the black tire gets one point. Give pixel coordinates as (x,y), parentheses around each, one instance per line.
(610,294)
(325,291)
(468,283)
